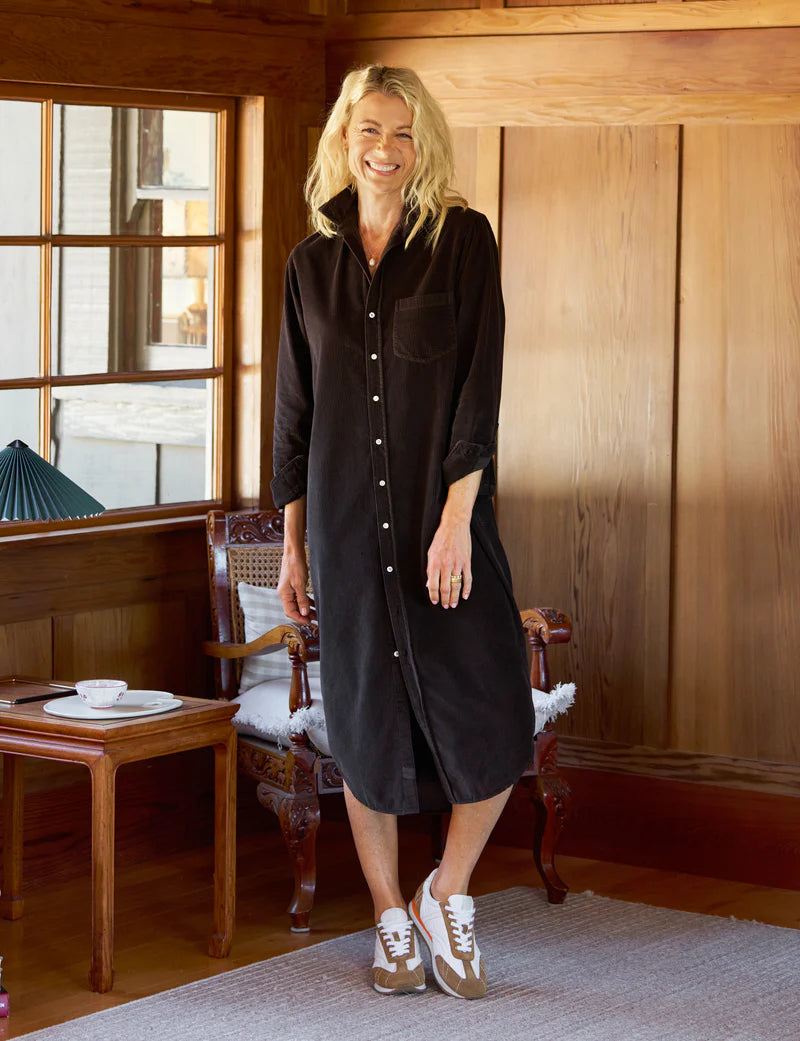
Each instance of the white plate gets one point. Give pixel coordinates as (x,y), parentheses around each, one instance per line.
(132,703)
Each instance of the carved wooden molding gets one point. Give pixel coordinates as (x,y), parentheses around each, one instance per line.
(243,529)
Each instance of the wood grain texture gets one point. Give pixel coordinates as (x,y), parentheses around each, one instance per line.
(736,635)
(614,16)
(700,829)
(676,765)
(285,17)
(144,644)
(624,110)
(422,6)
(285,223)
(45,49)
(497,71)
(584,492)
(26,648)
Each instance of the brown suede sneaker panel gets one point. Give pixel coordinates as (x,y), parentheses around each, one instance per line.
(471,987)
(403,981)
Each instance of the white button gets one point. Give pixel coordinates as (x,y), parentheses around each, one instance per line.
(375,397)
(378,441)
(372,314)
(382,484)
(385,524)
(374,357)
(390,568)
(397,654)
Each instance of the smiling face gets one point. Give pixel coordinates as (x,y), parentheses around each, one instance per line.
(380,145)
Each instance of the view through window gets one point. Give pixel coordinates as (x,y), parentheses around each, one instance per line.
(111,294)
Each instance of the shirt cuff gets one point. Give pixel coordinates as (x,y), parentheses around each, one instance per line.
(290,482)
(465,458)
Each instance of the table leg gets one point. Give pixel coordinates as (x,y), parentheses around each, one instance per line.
(13,795)
(224,846)
(101,976)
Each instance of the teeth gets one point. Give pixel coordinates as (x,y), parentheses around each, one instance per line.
(382,167)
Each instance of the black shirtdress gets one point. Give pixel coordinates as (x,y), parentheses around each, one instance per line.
(388,390)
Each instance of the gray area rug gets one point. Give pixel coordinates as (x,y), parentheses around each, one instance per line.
(593,969)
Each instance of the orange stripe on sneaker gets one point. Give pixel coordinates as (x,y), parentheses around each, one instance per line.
(419,919)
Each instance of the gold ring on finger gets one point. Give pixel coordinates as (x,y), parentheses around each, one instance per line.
(456,580)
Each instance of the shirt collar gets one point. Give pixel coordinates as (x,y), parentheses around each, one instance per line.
(342,210)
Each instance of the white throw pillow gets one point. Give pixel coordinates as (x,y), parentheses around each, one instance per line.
(263,610)
(548,706)
(264,713)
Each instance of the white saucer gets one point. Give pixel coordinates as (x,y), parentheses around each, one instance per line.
(132,703)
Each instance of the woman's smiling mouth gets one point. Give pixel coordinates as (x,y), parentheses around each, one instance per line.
(382,168)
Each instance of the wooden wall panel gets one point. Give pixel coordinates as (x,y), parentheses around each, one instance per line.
(214,54)
(737,539)
(584,496)
(149,645)
(26,648)
(368,6)
(596,77)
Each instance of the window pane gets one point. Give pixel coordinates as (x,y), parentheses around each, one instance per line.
(132,309)
(133,171)
(136,444)
(19,311)
(20,178)
(19,417)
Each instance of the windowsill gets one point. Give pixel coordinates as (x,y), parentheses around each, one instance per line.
(97,531)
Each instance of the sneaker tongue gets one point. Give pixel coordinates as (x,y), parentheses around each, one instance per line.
(460,902)
(394,916)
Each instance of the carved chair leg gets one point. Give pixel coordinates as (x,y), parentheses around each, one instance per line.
(550,796)
(299,819)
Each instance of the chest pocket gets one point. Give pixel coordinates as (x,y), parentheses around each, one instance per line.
(424,327)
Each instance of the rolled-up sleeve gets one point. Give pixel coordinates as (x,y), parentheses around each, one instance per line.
(294,400)
(481,328)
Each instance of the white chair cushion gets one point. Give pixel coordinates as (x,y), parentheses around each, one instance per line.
(548,706)
(264,713)
(263,610)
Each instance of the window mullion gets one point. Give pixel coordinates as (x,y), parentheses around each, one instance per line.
(46,280)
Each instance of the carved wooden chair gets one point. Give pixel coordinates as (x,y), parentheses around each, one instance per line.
(290,776)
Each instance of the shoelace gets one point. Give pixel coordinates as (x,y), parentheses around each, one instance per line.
(461,928)
(398,938)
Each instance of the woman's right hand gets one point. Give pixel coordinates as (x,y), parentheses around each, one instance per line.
(292,587)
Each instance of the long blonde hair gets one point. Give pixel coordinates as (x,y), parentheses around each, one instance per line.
(428,192)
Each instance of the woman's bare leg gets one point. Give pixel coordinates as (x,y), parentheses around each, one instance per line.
(375,836)
(470,827)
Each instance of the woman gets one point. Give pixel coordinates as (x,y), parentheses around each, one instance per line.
(385,425)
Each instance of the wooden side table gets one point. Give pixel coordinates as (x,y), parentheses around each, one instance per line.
(103,747)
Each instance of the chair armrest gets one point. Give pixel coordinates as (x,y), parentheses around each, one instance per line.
(301,640)
(549,624)
(543,625)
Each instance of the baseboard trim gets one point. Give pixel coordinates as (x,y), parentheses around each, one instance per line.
(676,825)
(673,765)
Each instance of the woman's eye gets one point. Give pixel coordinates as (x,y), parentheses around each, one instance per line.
(406,136)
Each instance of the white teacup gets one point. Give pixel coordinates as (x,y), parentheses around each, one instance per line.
(101,693)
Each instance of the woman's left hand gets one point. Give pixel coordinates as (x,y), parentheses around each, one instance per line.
(450,554)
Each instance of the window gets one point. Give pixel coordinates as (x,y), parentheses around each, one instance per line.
(114,279)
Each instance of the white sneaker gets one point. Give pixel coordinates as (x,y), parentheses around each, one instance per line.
(397,968)
(448,928)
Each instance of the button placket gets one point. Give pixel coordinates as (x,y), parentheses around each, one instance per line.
(380,469)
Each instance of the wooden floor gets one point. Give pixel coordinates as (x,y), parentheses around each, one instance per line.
(164,916)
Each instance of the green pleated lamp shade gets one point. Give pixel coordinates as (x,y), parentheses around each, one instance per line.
(32,489)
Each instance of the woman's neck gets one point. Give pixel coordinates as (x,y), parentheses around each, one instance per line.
(378,214)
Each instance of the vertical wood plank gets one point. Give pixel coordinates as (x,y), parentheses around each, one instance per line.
(249,246)
(286,139)
(584,497)
(737,560)
(26,648)
(144,644)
